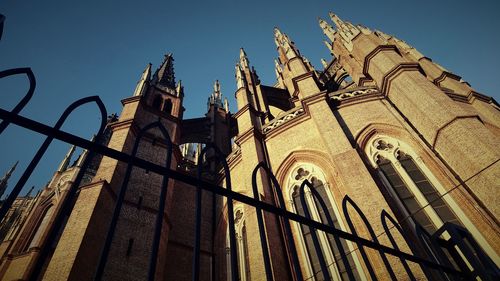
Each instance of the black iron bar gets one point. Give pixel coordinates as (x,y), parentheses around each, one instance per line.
(220,158)
(314,236)
(153,257)
(329,220)
(43,148)
(119,202)
(262,231)
(31,90)
(288,230)
(384,216)
(121,156)
(368,226)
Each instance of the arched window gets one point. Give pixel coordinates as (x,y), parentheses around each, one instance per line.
(167,106)
(406,179)
(329,247)
(157,102)
(241,247)
(41,227)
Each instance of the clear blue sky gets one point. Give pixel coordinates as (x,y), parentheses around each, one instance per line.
(82,48)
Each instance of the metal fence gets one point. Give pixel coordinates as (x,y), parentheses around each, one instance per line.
(457,258)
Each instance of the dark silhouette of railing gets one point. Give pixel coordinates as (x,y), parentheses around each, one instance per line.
(441,255)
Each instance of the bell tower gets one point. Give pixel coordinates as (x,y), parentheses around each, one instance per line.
(155,99)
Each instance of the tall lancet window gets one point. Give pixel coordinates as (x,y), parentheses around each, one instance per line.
(329,248)
(411,183)
(241,247)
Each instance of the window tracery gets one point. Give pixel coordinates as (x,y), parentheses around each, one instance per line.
(409,181)
(328,245)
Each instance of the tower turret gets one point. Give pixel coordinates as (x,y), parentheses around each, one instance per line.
(165,95)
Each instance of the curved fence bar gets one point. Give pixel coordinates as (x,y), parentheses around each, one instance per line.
(31,90)
(260,222)
(429,264)
(384,216)
(280,202)
(429,249)
(347,200)
(68,203)
(121,196)
(314,236)
(329,219)
(43,148)
(232,232)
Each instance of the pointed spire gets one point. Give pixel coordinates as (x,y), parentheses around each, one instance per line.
(243,59)
(64,164)
(278,36)
(277,69)
(329,46)
(346,30)
(240,82)
(141,85)
(5,179)
(327,29)
(180,89)
(216,97)
(165,74)
(226,105)
(324,63)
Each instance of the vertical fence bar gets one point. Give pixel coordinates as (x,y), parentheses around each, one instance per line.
(343,256)
(260,222)
(161,207)
(119,201)
(232,232)
(68,202)
(314,236)
(280,202)
(384,216)
(2,20)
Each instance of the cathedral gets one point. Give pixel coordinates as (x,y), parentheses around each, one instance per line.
(380,123)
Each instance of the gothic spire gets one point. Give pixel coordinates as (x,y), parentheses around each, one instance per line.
(5,179)
(277,69)
(285,45)
(141,85)
(64,164)
(324,63)
(240,82)
(216,97)
(180,89)
(346,30)
(327,29)
(164,75)
(244,63)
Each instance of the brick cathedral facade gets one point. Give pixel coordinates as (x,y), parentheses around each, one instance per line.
(381,123)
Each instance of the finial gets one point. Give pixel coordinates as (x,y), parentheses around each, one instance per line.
(327,29)
(324,63)
(243,59)
(329,46)
(180,89)
(240,83)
